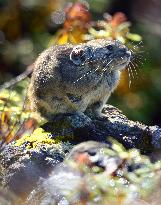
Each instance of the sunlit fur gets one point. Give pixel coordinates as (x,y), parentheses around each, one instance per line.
(76,78)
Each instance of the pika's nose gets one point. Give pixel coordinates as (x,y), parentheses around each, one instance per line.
(122,51)
(128,53)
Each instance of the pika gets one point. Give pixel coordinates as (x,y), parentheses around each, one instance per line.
(74,78)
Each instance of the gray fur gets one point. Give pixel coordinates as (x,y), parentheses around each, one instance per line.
(71,78)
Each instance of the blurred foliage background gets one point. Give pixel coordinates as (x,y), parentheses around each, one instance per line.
(27,27)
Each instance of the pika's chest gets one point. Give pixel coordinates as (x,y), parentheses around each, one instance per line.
(108,81)
(101,89)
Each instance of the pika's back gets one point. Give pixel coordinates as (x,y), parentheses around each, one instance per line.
(69,78)
(51,59)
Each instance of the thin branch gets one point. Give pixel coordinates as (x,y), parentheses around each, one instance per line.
(17,79)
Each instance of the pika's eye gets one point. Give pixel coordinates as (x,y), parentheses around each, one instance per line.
(89,52)
(110,47)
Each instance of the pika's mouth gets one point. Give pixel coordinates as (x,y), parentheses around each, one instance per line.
(123,63)
(118,64)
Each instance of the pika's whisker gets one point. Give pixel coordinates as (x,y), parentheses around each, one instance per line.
(134,69)
(93,71)
(82,76)
(130,69)
(139,56)
(136,46)
(138,52)
(134,65)
(106,66)
(137,64)
(85,75)
(129,77)
(139,61)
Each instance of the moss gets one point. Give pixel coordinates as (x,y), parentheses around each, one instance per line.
(60,130)
(63,123)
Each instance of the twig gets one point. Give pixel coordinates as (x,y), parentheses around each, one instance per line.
(17,79)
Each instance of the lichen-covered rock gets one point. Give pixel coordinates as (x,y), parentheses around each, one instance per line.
(114,124)
(31,158)
(26,160)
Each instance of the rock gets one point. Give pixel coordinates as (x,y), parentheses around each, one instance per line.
(25,161)
(114,124)
(8,198)
(21,167)
(95,173)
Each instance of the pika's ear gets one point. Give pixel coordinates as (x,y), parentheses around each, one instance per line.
(77,55)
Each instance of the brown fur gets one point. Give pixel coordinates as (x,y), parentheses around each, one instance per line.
(69,78)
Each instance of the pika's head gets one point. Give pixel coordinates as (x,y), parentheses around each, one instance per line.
(109,55)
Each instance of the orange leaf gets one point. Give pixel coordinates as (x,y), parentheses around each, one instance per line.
(77,14)
(118,18)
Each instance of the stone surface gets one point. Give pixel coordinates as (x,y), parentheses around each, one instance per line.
(22,167)
(114,124)
(95,173)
